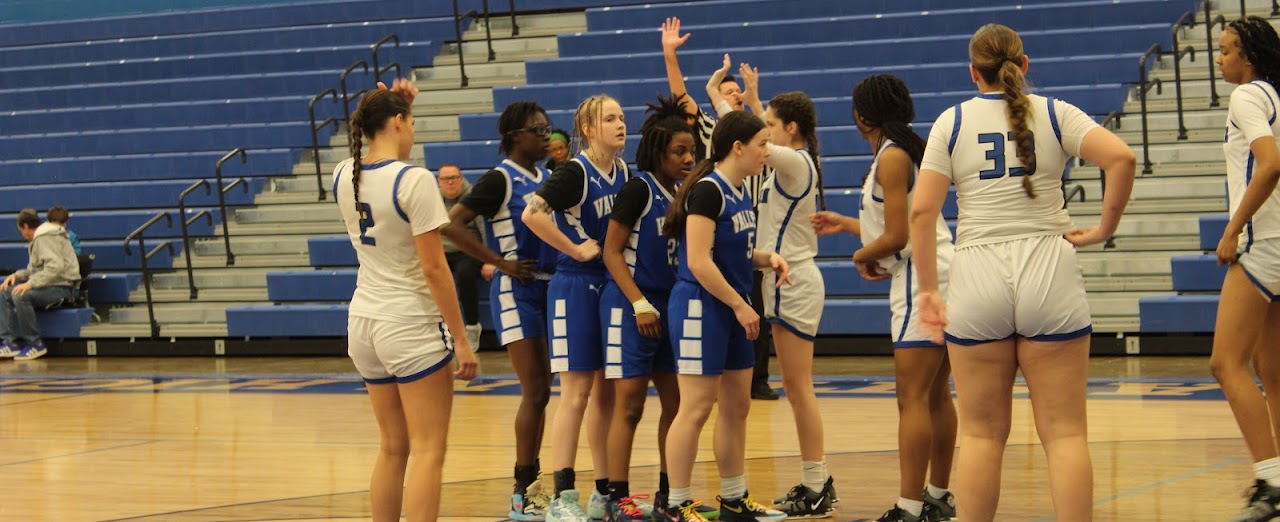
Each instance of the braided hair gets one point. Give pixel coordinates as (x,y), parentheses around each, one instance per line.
(1261,46)
(882,101)
(663,121)
(370,117)
(796,107)
(737,126)
(996,53)
(590,113)
(513,119)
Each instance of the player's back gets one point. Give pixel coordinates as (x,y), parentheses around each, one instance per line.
(390,285)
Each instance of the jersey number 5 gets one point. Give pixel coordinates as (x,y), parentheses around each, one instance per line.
(366,223)
(995,155)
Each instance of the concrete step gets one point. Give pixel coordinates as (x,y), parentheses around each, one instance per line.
(246,260)
(475,71)
(1207,205)
(1171,169)
(308,193)
(439,101)
(1156,188)
(172,313)
(235,277)
(305,228)
(547,24)
(1150,225)
(1125,264)
(206,295)
(1150,283)
(292,213)
(136,330)
(1141,243)
(1118,303)
(1127,323)
(505,49)
(246,246)
(1170,136)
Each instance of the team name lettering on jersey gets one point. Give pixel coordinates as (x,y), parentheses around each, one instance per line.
(743,220)
(603,205)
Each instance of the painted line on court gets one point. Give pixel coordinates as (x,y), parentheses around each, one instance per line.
(1156,485)
(78,453)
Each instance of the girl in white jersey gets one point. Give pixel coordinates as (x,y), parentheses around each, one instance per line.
(883,110)
(792,192)
(1016,298)
(1248,311)
(405,309)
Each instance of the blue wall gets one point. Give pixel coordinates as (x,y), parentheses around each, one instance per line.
(14,11)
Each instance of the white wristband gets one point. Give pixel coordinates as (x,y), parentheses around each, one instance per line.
(643,306)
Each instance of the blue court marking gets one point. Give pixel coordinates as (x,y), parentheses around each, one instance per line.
(509,385)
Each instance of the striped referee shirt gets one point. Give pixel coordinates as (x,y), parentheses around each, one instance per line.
(706,125)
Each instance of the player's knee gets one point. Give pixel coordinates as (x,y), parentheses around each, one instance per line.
(1225,367)
(395,446)
(633,410)
(536,396)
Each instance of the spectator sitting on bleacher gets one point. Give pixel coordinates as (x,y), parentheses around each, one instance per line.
(59,215)
(559,149)
(466,269)
(49,278)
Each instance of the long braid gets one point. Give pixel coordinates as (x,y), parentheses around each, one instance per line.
(882,101)
(1261,46)
(796,107)
(370,117)
(996,52)
(357,136)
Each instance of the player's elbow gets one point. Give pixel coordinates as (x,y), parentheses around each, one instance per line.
(1122,160)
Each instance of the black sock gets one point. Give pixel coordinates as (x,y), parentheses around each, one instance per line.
(664,484)
(525,476)
(602,486)
(564,480)
(619,490)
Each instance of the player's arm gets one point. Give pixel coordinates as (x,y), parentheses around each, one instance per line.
(628,206)
(562,191)
(488,194)
(671,40)
(829,222)
(1247,113)
(893,173)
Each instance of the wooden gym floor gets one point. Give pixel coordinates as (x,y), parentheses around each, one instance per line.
(265,439)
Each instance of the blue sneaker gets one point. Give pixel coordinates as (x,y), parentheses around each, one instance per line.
(531,506)
(9,350)
(33,350)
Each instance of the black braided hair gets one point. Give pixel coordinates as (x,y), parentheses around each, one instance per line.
(370,116)
(796,107)
(1261,46)
(663,121)
(883,102)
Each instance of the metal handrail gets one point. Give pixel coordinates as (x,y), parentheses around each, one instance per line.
(222,201)
(377,72)
(315,140)
(139,234)
(1208,36)
(1143,86)
(515,29)
(488,35)
(186,235)
(457,32)
(342,79)
(1188,19)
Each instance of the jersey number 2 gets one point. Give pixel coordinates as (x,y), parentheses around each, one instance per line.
(995,155)
(366,223)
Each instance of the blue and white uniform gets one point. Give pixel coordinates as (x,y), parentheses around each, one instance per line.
(904,324)
(790,195)
(582,195)
(704,330)
(1013,273)
(501,195)
(643,203)
(1252,115)
(395,330)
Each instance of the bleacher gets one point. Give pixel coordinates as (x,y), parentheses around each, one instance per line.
(113,117)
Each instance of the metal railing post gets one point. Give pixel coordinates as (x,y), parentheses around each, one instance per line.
(342,79)
(315,140)
(377,72)
(1143,86)
(222,201)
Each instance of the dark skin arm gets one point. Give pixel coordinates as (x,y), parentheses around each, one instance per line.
(615,242)
(456,231)
(893,173)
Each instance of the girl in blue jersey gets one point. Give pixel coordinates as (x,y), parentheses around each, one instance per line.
(641,274)
(710,320)
(883,112)
(405,306)
(1248,314)
(580,194)
(518,291)
(1016,298)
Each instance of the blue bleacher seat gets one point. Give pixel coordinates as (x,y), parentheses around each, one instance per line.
(180,139)
(295,320)
(187,166)
(117,195)
(117,224)
(63,323)
(1197,273)
(842,279)
(110,255)
(311,285)
(1211,229)
(1178,314)
(112,288)
(855,317)
(331,251)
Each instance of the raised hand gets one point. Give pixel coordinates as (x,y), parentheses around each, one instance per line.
(671,39)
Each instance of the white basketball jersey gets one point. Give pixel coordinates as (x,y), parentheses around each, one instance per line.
(1251,115)
(398,201)
(871,214)
(788,198)
(971,143)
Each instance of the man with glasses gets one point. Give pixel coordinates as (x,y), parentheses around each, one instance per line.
(466,269)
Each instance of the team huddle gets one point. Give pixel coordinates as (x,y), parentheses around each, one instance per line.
(612,277)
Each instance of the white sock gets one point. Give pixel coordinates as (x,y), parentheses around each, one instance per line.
(678,496)
(815,475)
(935,491)
(915,507)
(1269,471)
(733,488)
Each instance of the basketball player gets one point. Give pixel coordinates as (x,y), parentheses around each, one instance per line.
(883,111)
(710,321)
(580,192)
(1248,313)
(405,310)
(1016,298)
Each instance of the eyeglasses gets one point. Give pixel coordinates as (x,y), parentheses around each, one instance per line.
(450,178)
(539,130)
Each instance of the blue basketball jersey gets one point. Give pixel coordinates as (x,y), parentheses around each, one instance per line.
(649,254)
(506,233)
(589,219)
(735,237)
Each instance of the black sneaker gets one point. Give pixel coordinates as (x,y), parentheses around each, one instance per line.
(898,514)
(763,392)
(940,509)
(687,512)
(802,502)
(1264,504)
(747,509)
(831,490)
